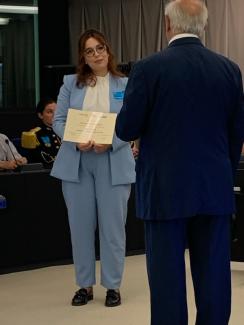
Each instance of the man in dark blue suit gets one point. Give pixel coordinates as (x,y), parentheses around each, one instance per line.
(186,105)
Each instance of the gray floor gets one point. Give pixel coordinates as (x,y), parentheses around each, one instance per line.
(42,297)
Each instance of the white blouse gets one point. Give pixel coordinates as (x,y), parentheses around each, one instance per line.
(5,152)
(97,97)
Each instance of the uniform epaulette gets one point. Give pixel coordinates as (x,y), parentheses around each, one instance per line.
(29,139)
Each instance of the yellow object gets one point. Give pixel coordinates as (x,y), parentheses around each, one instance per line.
(29,139)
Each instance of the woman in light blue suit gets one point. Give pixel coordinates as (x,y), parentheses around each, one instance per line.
(96,178)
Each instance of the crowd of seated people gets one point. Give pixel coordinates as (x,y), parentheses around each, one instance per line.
(42,142)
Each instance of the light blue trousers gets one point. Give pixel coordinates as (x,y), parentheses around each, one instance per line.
(94,199)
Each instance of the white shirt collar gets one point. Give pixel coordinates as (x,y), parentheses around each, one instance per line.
(103,79)
(182,36)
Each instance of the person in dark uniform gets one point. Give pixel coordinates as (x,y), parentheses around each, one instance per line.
(42,141)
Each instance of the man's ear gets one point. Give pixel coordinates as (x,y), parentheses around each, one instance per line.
(167,24)
(40,115)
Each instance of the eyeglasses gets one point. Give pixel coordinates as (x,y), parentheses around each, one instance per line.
(99,49)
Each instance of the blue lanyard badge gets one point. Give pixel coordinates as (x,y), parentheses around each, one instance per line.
(46,141)
(119,95)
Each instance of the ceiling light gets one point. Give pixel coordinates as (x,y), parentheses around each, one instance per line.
(19,9)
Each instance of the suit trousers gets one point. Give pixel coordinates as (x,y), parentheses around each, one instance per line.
(208,239)
(95,200)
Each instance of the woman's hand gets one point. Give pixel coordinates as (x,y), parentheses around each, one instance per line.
(100,148)
(8,164)
(135,152)
(135,148)
(85,146)
(22,161)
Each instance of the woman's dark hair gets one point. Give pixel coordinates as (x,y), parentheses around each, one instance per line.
(85,74)
(43,103)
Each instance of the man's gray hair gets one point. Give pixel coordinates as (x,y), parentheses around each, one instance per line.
(183,22)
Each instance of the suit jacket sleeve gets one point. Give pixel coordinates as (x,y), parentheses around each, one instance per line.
(133,115)
(117,143)
(237,128)
(62,108)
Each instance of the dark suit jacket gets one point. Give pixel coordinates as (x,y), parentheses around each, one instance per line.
(186,104)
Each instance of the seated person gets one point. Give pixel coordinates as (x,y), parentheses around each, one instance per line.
(46,142)
(9,156)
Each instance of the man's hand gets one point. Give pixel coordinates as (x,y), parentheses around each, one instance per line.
(100,148)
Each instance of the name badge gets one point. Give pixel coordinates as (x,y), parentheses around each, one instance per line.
(47,142)
(119,95)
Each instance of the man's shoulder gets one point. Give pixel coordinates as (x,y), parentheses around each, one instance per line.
(152,58)
(156,59)
(150,62)
(226,60)
(222,61)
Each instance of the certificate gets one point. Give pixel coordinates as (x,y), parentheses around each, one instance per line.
(83,126)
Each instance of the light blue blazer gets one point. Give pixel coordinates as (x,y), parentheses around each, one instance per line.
(67,162)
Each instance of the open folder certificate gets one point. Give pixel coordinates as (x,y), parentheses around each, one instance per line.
(83,126)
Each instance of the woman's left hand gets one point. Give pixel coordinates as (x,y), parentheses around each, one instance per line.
(21,161)
(100,148)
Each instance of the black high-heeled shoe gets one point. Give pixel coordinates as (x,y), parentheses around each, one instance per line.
(81,297)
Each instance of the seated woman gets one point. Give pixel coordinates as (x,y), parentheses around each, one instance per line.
(9,156)
(46,143)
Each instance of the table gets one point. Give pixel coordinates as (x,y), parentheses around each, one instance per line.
(34,228)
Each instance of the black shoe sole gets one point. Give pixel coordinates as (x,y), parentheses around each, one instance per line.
(113,305)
